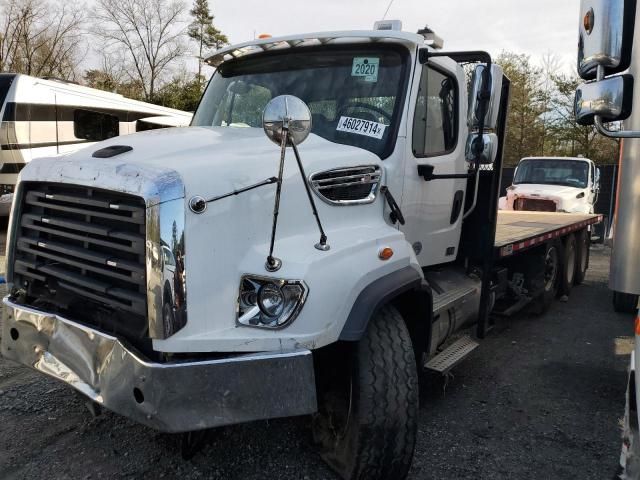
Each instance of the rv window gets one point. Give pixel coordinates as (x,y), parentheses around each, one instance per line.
(95,126)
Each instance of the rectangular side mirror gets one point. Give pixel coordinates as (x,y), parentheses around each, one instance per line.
(605,36)
(610,98)
(596,180)
(491,104)
(489,148)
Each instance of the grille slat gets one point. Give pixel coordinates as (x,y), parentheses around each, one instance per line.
(138,246)
(83,227)
(84,201)
(83,254)
(81,251)
(34,201)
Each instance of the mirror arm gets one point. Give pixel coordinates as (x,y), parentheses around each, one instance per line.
(597,120)
(599,123)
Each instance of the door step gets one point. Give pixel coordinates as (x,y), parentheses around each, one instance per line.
(452,355)
(450,298)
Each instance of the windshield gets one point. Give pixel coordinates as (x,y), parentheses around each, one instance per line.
(354,94)
(572,173)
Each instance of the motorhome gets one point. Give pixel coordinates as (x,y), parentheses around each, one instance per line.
(47,117)
(553,184)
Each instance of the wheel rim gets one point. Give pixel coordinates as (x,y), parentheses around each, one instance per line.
(550,269)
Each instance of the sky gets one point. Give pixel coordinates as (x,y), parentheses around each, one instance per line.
(531,27)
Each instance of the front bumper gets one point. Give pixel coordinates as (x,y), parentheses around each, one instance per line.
(171,397)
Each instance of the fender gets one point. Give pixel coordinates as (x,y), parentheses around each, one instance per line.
(379,293)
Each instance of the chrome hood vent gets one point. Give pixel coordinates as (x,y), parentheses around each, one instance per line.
(347,186)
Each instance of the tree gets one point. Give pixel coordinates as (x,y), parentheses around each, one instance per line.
(525,124)
(182,92)
(148,32)
(202,30)
(571,139)
(38,38)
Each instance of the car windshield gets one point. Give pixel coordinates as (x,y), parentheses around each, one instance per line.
(354,93)
(572,173)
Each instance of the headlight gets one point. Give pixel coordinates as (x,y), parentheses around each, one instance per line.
(269,302)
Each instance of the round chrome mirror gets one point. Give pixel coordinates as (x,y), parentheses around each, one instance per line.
(290,112)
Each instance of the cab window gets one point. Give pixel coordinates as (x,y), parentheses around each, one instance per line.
(435,123)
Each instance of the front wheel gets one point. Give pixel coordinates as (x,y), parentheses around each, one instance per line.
(367,421)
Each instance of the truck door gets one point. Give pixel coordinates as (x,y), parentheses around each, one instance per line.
(433,210)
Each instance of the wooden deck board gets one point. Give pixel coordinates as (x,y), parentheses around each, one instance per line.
(515,227)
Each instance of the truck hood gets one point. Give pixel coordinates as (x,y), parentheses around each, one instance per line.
(543,191)
(210,161)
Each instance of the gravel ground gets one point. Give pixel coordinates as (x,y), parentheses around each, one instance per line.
(541,398)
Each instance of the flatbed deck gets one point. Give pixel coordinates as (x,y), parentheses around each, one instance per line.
(516,231)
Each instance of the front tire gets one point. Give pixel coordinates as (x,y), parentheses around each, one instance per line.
(367,420)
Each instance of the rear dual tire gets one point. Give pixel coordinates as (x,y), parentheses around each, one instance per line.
(367,420)
(583,243)
(625,302)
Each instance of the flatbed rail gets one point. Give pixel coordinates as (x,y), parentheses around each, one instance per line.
(517,231)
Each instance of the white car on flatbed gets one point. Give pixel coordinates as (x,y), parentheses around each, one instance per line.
(553,184)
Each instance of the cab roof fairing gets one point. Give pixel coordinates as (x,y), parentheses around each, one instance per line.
(410,40)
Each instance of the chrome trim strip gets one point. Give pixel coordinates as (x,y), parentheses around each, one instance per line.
(375,179)
(166,274)
(171,397)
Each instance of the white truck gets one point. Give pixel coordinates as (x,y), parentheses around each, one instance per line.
(609,58)
(314,278)
(553,184)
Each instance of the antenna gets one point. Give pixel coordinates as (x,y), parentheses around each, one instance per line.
(387,10)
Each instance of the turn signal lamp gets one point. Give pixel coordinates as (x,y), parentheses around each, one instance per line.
(263,36)
(588,21)
(638,325)
(385,254)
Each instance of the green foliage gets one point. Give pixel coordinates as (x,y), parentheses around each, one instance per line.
(203,31)
(524,125)
(183,94)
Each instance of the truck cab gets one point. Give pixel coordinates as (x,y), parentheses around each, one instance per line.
(553,184)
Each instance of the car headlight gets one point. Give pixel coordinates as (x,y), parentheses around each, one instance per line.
(269,302)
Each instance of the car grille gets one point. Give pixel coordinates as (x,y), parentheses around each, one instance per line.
(81,252)
(535,205)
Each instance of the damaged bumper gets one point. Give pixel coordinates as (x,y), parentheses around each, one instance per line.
(171,397)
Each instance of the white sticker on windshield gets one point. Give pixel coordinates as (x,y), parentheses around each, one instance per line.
(361,127)
(366,67)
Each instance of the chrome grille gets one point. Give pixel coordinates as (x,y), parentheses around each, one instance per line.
(81,252)
(347,186)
